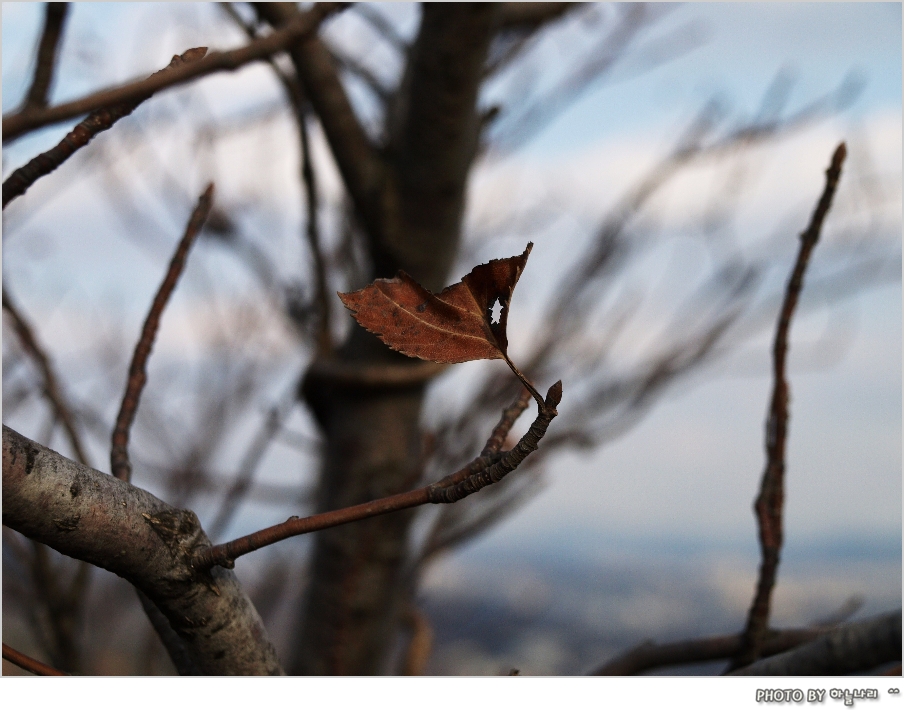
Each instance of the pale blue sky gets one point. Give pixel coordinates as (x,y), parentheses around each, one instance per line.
(649,482)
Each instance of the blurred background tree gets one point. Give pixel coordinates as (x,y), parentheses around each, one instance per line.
(427,138)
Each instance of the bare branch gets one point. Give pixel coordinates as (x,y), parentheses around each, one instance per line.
(603,57)
(363,72)
(51,385)
(651,655)
(299,103)
(119,454)
(309,180)
(448,490)
(770,502)
(96,122)
(361,168)
(28,663)
(509,417)
(851,649)
(54,20)
(304,24)
(111,524)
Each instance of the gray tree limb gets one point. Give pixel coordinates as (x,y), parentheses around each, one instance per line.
(109,523)
(852,648)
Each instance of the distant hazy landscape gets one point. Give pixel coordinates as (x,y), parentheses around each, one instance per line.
(561,613)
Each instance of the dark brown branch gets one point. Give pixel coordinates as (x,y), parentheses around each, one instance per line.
(853,648)
(54,19)
(304,24)
(363,72)
(312,232)
(51,385)
(109,523)
(358,162)
(97,121)
(490,454)
(509,461)
(225,555)
(28,663)
(506,422)
(455,525)
(651,655)
(119,454)
(770,502)
(296,97)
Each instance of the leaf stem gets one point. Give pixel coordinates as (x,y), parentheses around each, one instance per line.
(530,388)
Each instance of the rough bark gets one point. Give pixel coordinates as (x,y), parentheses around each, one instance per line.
(409,197)
(109,523)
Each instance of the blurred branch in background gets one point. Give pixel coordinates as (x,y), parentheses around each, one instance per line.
(48,51)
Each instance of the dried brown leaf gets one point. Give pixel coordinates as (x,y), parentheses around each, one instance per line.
(455,325)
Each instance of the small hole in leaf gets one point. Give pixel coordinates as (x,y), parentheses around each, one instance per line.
(421,308)
(495,312)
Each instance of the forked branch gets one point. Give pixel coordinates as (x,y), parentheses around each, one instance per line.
(304,24)
(487,469)
(99,120)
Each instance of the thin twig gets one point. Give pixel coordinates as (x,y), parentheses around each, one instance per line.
(54,19)
(295,93)
(363,72)
(96,122)
(509,417)
(312,232)
(770,502)
(226,554)
(51,385)
(305,23)
(28,663)
(119,454)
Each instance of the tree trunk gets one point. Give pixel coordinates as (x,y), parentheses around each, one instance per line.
(409,198)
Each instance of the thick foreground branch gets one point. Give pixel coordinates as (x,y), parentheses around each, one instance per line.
(109,523)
